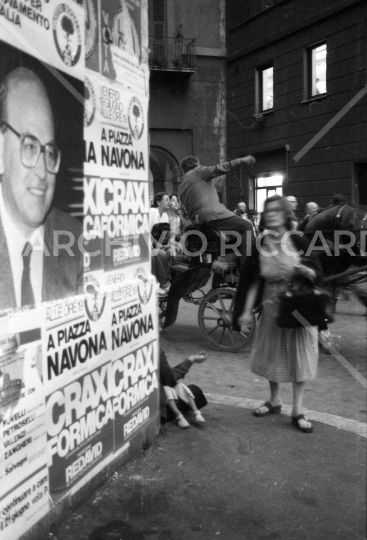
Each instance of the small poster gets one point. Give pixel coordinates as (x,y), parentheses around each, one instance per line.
(79,422)
(125,43)
(115,130)
(23,458)
(138,403)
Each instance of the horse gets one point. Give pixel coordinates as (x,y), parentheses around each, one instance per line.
(339,238)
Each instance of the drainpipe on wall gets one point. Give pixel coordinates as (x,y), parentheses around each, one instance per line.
(287,150)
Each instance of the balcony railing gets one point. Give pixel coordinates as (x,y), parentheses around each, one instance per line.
(172,54)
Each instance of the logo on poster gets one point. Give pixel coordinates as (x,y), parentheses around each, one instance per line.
(95,301)
(136,118)
(67,35)
(145,286)
(89,103)
(90,27)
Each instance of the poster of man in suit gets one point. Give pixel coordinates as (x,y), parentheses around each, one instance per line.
(41,158)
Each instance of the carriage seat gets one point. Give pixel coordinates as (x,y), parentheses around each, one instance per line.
(214,238)
(181,263)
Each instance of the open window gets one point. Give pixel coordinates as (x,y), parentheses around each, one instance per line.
(315,71)
(264,89)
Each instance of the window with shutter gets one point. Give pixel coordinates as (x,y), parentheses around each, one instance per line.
(158,17)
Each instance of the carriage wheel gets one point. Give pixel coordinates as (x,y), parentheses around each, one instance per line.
(215,321)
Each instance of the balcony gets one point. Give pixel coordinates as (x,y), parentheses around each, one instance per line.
(172,54)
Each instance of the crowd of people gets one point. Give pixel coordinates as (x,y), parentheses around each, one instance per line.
(198,202)
(167,222)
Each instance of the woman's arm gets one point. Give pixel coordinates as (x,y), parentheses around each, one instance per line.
(246,317)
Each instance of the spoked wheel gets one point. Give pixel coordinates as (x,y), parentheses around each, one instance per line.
(215,321)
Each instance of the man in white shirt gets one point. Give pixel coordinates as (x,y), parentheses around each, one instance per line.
(33,267)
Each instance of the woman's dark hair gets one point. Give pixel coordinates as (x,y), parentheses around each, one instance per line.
(188,163)
(158,197)
(174,194)
(286,207)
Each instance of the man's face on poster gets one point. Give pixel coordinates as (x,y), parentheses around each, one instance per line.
(27,192)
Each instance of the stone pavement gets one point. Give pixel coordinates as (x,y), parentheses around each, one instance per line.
(237,478)
(240,477)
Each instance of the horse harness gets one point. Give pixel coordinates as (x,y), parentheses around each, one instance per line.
(338,218)
(364,221)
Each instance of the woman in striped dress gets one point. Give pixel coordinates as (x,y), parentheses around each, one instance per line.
(281,355)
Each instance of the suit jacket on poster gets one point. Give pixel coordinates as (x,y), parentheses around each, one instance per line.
(62,273)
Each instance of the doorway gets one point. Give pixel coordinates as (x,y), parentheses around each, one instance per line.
(267,186)
(360,184)
(164,171)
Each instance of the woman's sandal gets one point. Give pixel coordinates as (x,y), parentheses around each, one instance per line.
(269,406)
(295,422)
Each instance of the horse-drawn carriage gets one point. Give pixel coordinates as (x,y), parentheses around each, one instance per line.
(190,274)
(339,236)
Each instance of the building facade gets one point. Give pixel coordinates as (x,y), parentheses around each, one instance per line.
(297,99)
(187,87)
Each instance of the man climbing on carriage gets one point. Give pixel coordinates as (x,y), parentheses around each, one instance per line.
(200,198)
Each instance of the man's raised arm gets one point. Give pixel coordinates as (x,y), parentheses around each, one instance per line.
(226,166)
(212,172)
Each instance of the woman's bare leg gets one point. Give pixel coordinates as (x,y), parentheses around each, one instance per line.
(298,393)
(275,398)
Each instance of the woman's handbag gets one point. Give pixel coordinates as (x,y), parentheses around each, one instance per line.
(305,306)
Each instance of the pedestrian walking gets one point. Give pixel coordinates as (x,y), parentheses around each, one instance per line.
(281,355)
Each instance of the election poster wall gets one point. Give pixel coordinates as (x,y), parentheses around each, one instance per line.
(78,306)
(101,379)
(74,392)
